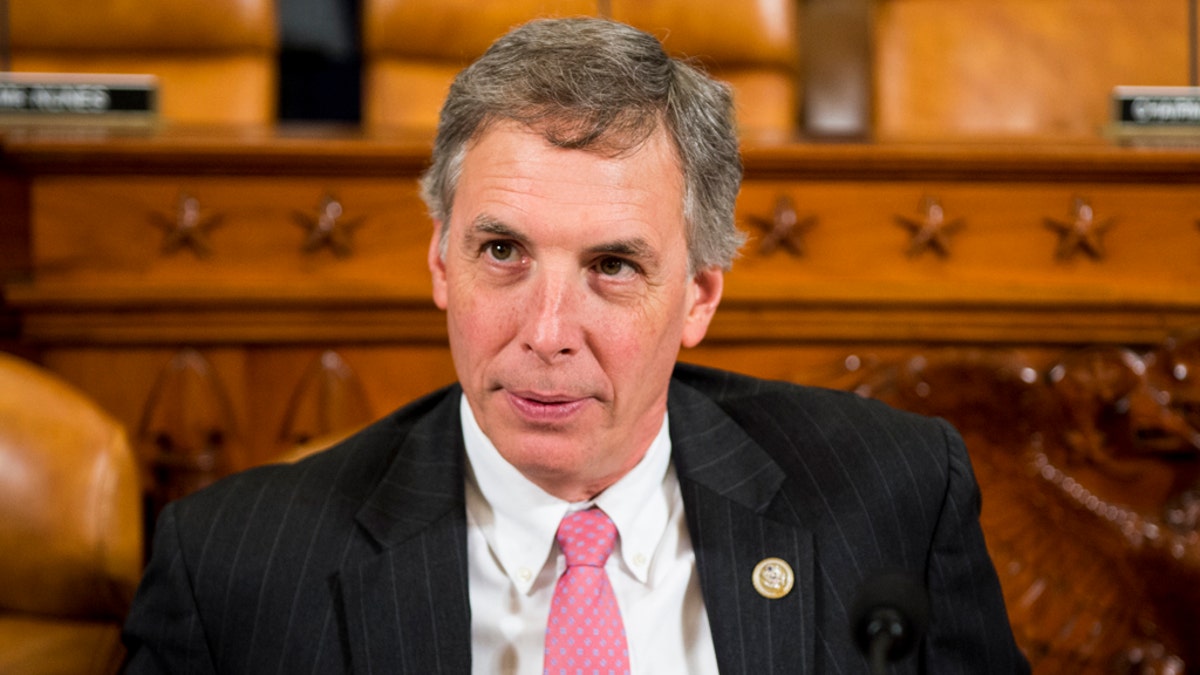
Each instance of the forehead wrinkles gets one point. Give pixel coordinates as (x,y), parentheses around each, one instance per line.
(653,146)
(605,196)
(513,177)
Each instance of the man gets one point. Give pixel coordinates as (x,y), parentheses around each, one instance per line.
(582,186)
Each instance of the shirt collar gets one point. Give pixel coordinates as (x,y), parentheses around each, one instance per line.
(518,519)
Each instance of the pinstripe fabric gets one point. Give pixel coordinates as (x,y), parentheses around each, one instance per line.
(350,561)
(354,560)
(840,487)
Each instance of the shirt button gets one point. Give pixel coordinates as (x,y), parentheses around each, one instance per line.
(639,560)
(525,574)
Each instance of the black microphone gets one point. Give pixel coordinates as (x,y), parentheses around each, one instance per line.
(889,617)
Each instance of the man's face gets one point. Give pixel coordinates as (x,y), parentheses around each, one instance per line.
(568,296)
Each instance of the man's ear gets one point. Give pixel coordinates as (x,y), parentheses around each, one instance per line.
(437,266)
(704,295)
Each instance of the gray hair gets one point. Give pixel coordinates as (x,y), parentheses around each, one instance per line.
(605,87)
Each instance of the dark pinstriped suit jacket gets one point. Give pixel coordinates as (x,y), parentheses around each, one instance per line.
(354,560)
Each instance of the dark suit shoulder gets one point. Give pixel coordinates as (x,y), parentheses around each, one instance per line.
(247,573)
(841,452)
(876,488)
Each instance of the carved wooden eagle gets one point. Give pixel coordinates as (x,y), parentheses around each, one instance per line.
(1090,471)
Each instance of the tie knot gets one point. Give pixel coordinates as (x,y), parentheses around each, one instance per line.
(587,537)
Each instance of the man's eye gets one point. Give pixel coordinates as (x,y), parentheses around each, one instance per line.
(611,266)
(502,250)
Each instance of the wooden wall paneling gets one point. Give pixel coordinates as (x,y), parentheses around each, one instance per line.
(329,398)
(1002,246)
(60,317)
(282,378)
(15,262)
(398,374)
(266,388)
(259,233)
(275,377)
(368,382)
(14,228)
(188,436)
(1001,279)
(190,404)
(825,364)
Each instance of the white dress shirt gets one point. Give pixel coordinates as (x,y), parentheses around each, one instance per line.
(514,563)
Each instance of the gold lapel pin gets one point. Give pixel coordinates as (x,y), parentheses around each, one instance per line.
(773,578)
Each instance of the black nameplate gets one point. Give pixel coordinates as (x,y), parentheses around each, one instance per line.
(52,94)
(1157,106)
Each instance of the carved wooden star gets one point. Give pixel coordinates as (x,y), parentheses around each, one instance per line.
(327,228)
(932,231)
(188,229)
(784,229)
(1083,233)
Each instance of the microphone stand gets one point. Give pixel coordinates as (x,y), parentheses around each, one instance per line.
(885,628)
(878,657)
(888,618)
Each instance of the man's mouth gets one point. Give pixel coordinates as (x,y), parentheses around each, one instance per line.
(545,408)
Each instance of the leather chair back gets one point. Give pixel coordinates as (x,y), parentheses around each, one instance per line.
(71,527)
(215,59)
(413,48)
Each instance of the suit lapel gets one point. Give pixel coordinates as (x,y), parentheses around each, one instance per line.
(738,515)
(406,602)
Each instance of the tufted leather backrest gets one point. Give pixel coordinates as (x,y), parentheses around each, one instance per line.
(413,49)
(753,45)
(70,502)
(215,59)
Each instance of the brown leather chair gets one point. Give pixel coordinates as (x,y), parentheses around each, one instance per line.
(753,45)
(1039,69)
(413,48)
(215,59)
(70,527)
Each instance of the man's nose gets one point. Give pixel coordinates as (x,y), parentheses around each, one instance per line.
(552,328)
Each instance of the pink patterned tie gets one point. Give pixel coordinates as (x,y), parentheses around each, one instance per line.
(584,633)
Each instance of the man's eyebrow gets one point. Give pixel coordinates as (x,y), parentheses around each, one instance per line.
(636,248)
(486,225)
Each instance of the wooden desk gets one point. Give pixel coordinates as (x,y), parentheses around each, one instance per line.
(230,294)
